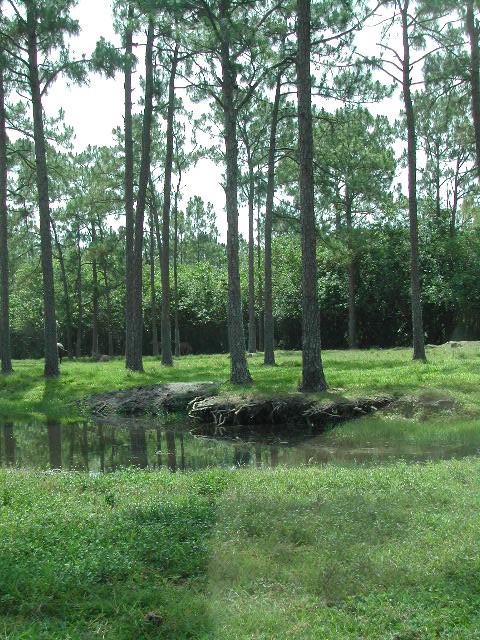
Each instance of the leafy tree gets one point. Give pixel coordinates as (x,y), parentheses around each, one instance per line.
(5,349)
(37,35)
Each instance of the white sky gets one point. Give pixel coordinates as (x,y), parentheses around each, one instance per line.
(94,110)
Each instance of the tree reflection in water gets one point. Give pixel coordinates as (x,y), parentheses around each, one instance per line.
(144,442)
(159,446)
(54,430)
(84,446)
(171,451)
(138,447)
(9,444)
(101,445)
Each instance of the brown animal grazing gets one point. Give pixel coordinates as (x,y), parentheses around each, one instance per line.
(60,349)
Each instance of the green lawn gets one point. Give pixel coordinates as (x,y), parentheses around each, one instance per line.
(387,552)
(27,394)
(391,552)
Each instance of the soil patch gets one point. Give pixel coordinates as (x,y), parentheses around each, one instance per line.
(152,399)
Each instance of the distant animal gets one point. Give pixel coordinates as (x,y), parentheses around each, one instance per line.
(60,349)
(185,348)
(104,358)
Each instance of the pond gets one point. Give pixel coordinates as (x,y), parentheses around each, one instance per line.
(148,443)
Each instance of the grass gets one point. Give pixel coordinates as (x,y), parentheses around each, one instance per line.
(26,394)
(335,553)
(387,552)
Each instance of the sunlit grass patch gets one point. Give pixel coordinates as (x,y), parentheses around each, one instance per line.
(26,393)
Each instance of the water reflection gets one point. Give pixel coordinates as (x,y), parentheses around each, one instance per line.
(171,450)
(144,443)
(9,444)
(54,445)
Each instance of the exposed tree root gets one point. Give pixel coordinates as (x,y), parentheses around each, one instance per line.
(223,413)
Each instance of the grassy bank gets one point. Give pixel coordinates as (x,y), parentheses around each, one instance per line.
(383,553)
(25,393)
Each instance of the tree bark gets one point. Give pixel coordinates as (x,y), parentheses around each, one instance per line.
(129,210)
(166,330)
(50,327)
(153,204)
(417,320)
(137,361)
(5,346)
(175,266)
(252,331)
(453,214)
(108,299)
(78,346)
(473,34)
(312,369)
(152,288)
(239,373)
(352,322)
(260,282)
(95,323)
(109,311)
(269,355)
(68,315)
(437,181)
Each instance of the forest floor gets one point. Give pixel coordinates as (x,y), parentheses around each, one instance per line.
(385,552)
(452,372)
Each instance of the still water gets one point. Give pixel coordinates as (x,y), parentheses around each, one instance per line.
(145,443)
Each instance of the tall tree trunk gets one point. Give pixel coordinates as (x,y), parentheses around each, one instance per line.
(5,347)
(68,315)
(95,323)
(108,300)
(239,373)
(417,320)
(252,331)
(137,362)
(50,326)
(313,376)
(352,328)
(152,288)
(78,346)
(269,355)
(437,182)
(453,214)
(260,282)
(175,266)
(473,34)
(129,211)
(166,332)
(153,205)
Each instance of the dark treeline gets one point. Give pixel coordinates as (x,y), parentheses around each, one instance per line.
(100,251)
(451,296)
